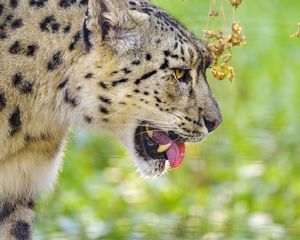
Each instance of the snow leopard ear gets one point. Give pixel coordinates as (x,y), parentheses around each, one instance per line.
(106,15)
(114,22)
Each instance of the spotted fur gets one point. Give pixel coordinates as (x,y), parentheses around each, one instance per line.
(102,64)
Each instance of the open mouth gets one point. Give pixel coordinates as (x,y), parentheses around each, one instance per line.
(152,143)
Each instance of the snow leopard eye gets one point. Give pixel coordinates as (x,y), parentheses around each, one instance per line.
(182,75)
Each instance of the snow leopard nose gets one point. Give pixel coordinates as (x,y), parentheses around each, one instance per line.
(211,125)
(212,117)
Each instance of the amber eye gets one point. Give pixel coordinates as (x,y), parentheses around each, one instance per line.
(182,75)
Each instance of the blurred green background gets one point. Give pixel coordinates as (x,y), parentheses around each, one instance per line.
(243,182)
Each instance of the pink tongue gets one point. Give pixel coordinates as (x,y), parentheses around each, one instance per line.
(175,153)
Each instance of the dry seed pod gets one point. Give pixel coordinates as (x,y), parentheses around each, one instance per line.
(213,13)
(217,48)
(223,71)
(236,37)
(216,44)
(227,57)
(236,3)
(220,48)
(230,73)
(218,73)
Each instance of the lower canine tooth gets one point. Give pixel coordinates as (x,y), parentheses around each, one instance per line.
(149,133)
(163,148)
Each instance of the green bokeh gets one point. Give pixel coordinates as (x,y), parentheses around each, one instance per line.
(243,182)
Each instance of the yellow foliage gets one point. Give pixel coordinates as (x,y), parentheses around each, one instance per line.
(220,45)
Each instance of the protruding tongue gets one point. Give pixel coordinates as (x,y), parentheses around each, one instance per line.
(175,153)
